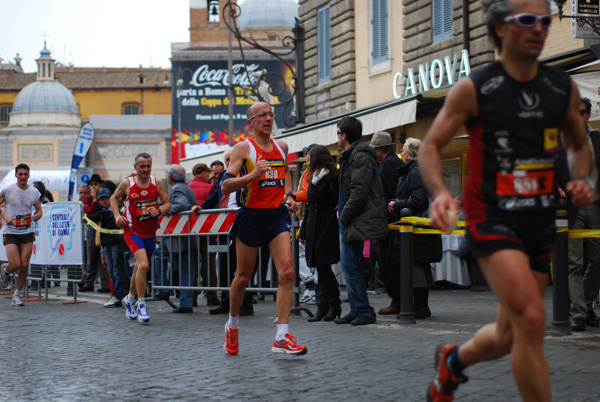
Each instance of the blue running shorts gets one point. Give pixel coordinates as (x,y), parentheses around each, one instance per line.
(257,227)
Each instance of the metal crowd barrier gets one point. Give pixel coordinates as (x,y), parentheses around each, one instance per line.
(44,274)
(197,247)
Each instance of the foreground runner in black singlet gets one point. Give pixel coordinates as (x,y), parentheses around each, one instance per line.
(514,110)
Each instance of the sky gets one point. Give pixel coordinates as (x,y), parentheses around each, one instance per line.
(93,33)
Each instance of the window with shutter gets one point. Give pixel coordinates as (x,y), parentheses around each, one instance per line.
(442,19)
(379,29)
(131,108)
(324,46)
(5,113)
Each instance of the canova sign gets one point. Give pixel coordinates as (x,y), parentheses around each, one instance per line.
(432,76)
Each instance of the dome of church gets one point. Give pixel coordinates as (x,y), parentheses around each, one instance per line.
(268,13)
(45,102)
(45,96)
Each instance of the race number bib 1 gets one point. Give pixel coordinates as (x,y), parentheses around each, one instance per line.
(142,209)
(23,222)
(527,186)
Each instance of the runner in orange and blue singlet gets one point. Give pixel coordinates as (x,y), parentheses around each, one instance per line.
(259,169)
(263,215)
(139,223)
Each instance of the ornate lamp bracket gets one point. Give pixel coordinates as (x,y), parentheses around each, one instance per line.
(291,45)
(581,20)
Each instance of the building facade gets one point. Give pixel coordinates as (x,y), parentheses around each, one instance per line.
(41,114)
(200,73)
(391,63)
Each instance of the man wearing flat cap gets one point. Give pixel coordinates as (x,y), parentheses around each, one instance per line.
(389,163)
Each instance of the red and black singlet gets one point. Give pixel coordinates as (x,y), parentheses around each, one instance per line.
(513,143)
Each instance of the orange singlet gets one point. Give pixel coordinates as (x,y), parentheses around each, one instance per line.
(267,191)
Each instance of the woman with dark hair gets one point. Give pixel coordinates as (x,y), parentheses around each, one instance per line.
(320,231)
(46,196)
(36,270)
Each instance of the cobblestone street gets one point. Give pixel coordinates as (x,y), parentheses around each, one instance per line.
(72,352)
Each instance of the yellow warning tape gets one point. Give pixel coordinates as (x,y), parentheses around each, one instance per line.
(101,229)
(415,220)
(579,233)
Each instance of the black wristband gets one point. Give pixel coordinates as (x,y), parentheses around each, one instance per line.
(291,194)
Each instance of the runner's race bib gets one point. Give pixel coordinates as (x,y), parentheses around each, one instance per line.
(528,184)
(142,209)
(23,222)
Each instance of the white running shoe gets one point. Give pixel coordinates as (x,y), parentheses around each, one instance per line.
(130,308)
(113,302)
(307,296)
(142,313)
(16,301)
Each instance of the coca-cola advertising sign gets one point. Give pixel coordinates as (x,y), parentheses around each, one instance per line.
(201,102)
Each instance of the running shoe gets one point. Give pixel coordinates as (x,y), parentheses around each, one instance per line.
(307,296)
(142,313)
(113,302)
(443,386)
(231,344)
(16,301)
(3,277)
(130,308)
(288,346)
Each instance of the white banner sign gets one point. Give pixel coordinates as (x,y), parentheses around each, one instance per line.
(58,235)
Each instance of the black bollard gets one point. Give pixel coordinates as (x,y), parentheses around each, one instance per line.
(560,288)
(407,310)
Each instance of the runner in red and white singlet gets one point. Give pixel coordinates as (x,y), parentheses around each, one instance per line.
(139,224)
(138,206)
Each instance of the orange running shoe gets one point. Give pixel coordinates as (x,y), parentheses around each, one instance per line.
(444,385)
(231,345)
(288,346)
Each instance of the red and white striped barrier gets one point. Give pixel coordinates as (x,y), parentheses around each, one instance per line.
(205,223)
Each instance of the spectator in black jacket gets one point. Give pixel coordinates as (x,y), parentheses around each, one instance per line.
(362,215)
(389,163)
(412,199)
(113,245)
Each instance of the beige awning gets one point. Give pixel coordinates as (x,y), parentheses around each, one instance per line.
(375,118)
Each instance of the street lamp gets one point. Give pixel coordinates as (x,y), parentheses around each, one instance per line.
(179,87)
(291,45)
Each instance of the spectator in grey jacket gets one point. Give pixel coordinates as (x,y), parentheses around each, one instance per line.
(182,198)
(362,215)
